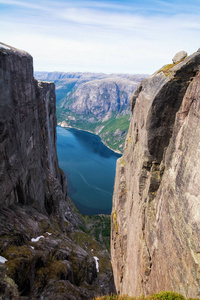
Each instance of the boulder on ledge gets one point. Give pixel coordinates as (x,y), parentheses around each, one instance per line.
(179,56)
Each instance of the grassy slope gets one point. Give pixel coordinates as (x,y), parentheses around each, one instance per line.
(107,134)
(98,227)
(159,296)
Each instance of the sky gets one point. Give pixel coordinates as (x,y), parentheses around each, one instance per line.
(111,36)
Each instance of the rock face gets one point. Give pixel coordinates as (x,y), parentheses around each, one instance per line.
(29,163)
(155,242)
(47,255)
(96,102)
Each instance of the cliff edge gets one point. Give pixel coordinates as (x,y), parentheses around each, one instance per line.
(29,164)
(156,204)
(45,252)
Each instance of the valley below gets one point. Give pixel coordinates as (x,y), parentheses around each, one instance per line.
(48,249)
(95,102)
(90,169)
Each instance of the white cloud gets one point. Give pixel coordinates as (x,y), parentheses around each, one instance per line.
(22,4)
(93,17)
(72,37)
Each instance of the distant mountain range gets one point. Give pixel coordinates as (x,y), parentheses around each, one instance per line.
(96,102)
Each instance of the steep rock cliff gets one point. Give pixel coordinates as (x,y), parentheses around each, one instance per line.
(28,136)
(43,252)
(156,204)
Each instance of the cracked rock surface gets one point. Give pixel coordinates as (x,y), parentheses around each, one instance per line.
(156,205)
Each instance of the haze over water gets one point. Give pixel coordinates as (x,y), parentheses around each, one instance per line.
(90,169)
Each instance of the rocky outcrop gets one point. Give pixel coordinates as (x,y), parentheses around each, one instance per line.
(179,56)
(156,205)
(44,254)
(97,102)
(101,97)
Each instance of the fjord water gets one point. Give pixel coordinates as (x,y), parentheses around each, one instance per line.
(90,169)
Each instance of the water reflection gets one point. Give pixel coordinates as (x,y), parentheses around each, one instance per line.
(93,143)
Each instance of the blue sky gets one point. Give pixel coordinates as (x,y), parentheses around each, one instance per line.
(111,36)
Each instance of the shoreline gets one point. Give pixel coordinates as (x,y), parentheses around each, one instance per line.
(67,126)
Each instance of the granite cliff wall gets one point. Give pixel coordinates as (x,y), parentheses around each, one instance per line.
(44,250)
(28,157)
(156,203)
